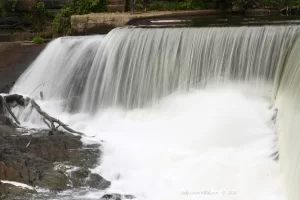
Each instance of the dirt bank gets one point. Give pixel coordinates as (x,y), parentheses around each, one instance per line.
(15,57)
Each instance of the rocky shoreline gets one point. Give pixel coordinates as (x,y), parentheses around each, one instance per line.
(44,159)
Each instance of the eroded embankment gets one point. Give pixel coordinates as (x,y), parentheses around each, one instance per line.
(15,57)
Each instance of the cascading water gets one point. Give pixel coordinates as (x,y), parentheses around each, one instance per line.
(288,103)
(183,112)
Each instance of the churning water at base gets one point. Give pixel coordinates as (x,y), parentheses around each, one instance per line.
(203,144)
(183,112)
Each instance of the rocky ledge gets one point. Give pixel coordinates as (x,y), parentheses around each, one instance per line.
(45,159)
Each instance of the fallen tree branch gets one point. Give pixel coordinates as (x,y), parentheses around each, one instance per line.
(9,110)
(44,120)
(52,120)
(47,119)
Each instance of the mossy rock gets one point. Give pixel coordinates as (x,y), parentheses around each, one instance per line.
(79,176)
(8,190)
(55,181)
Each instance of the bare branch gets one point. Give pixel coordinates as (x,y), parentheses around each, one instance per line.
(52,120)
(9,110)
(44,120)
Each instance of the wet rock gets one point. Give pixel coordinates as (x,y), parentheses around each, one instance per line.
(7,121)
(79,176)
(97,181)
(31,159)
(86,157)
(7,173)
(113,196)
(129,196)
(8,190)
(54,181)
(81,173)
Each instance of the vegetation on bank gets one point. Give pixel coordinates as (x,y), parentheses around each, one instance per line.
(62,21)
(39,19)
(38,40)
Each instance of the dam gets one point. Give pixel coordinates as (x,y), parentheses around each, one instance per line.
(181,113)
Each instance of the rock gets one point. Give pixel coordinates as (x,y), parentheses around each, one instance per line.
(6,121)
(15,98)
(86,157)
(34,164)
(129,196)
(54,181)
(79,176)
(81,173)
(8,173)
(113,196)
(8,190)
(97,181)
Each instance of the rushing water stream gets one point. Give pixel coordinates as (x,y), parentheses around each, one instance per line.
(184,113)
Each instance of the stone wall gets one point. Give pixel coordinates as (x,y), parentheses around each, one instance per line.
(100,23)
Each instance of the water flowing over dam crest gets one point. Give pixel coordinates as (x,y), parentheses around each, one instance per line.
(183,111)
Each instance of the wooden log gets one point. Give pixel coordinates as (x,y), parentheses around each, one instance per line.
(52,120)
(9,110)
(20,100)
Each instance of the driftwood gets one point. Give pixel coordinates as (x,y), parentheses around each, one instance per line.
(47,119)
(4,102)
(52,120)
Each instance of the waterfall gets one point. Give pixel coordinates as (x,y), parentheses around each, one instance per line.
(61,70)
(132,67)
(147,93)
(287,101)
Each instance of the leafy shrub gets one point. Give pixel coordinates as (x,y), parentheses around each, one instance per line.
(38,17)
(182,5)
(88,6)
(61,24)
(3,10)
(62,21)
(38,40)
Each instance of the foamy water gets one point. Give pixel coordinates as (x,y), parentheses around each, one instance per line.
(203,144)
(167,134)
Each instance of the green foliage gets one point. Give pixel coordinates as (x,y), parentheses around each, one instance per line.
(198,4)
(127,6)
(240,3)
(3,10)
(38,17)
(38,40)
(273,3)
(62,21)
(14,5)
(88,6)
(181,5)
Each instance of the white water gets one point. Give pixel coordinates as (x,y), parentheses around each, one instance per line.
(186,147)
(191,141)
(17,184)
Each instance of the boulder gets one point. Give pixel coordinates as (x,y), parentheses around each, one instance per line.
(31,159)
(129,196)
(8,190)
(115,196)
(97,181)
(79,176)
